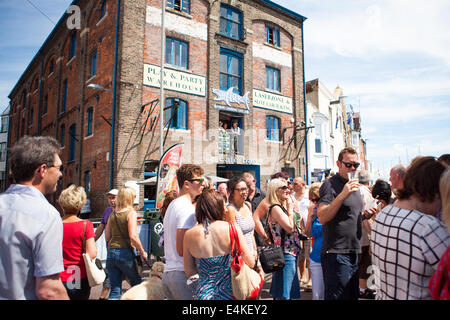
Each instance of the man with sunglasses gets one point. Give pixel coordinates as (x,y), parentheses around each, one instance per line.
(339,212)
(180,217)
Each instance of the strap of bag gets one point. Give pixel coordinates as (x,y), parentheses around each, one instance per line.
(270,227)
(234,238)
(84,236)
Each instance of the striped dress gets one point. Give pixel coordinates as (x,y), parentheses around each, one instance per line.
(214,281)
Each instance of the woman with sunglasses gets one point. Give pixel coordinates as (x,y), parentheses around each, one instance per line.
(239,211)
(285,283)
(313,229)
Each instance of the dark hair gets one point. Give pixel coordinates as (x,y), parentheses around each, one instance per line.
(231,185)
(445,159)
(422,179)
(210,206)
(170,196)
(381,190)
(346,150)
(186,172)
(282,175)
(29,153)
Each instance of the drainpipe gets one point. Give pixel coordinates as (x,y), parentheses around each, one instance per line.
(304,106)
(113,122)
(40,97)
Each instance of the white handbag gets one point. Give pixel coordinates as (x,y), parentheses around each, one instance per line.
(94,270)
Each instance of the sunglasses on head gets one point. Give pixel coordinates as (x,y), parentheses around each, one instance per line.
(350,164)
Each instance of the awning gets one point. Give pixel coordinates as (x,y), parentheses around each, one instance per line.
(149,181)
(216,179)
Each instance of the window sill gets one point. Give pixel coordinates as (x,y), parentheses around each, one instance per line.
(90,79)
(70,61)
(226,37)
(272,46)
(273,141)
(273,91)
(180,13)
(102,19)
(176,68)
(70,161)
(88,137)
(175,130)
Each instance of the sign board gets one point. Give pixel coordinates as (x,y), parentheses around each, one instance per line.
(175,80)
(271,101)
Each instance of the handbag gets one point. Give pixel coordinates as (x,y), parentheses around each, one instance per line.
(94,269)
(138,261)
(271,256)
(245,282)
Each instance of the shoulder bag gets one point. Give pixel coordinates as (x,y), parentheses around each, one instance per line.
(138,261)
(271,256)
(245,282)
(94,269)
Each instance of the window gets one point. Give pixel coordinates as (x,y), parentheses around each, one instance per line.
(273,79)
(52,66)
(273,36)
(72,133)
(62,135)
(3,150)
(22,131)
(30,116)
(230,70)
(102,9)
(36,84)
(45,104)
(64,102)
(273,128)
(230,22)
(87,181)
(179,120)
(73,45)
(318,138)
(93,64)
(177,52)
(4,124)
(179,5)
(90,115)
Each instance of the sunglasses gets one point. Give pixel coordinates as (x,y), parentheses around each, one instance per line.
(241,189)
(284,188)
(200,180)
(315,200)
(350,164)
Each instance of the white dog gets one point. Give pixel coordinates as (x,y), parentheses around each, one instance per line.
(150,289)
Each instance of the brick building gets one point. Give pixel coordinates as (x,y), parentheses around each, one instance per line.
(96,88)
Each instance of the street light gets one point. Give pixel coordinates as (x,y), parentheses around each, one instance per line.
(97,87)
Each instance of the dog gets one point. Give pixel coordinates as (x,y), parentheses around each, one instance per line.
(150,289)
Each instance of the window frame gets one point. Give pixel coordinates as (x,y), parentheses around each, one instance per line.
(93,63)
(273,128)
(72,143)
(180,121)
(173,42)
(62,135)
(73,45)
(183,5)
(229,75)
(228,22)
(64,102)
(273,35)
(89,121)
(270,79)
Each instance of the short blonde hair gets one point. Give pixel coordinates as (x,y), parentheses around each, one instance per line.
(72,199)
(125,198)
(314,190)
(272,188)
(444,188)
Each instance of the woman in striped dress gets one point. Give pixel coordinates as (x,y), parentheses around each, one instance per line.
(206,249)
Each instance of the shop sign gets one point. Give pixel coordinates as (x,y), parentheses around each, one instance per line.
(237,161)
(275,102)
(175,80)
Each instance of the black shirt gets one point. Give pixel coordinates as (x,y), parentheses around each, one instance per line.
(342,234)
(257,198)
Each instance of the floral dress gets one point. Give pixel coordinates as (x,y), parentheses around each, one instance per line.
(291,242)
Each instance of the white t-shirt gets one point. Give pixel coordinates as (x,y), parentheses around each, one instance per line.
(303,205)
(179,215)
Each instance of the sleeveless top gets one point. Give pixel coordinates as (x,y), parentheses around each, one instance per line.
(119,239)
(247,226)
(214,281)
(289,242)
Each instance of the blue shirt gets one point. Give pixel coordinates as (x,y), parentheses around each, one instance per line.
(317,234)
(31,234)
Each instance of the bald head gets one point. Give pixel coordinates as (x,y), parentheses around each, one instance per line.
(397,175)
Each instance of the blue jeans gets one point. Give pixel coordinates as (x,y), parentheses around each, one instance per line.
(340,276)
(121,262)
(285,282)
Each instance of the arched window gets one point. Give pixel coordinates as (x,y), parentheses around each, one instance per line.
(179,119)
(62,135)
(73,139)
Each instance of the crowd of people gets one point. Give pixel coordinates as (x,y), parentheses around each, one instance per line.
(343,238)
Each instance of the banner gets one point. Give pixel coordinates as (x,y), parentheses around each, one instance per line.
(167,177)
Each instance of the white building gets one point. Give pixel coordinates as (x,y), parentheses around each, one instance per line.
(326,114)
(3,148)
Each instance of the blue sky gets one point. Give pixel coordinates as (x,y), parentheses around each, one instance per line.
(391,58)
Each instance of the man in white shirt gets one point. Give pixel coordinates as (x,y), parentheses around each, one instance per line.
(31,230)
(301,197)
(180,217)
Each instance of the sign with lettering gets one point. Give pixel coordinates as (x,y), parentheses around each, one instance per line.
(275,102)
(175,80)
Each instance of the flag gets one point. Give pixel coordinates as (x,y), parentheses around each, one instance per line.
(167,173)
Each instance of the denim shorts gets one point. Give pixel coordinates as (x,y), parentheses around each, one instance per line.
(285,283)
